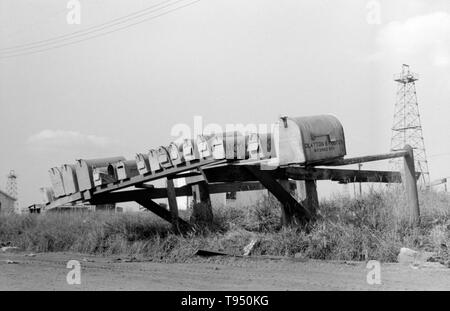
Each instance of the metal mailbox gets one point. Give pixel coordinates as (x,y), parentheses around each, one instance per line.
(126,169)
(84,170)
(260,146)
(47,195)
(153,160)
(312,139)
(176,153)
(143,165)
(204,149)
(164,157)
(57,182)
(235,145)
(69,177)
(190,150)
(103,176)
(217,146)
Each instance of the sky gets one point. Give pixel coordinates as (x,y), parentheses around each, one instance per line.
(227,61)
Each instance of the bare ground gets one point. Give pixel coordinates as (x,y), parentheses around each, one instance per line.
(47,271)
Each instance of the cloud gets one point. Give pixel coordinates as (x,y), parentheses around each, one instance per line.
(59,139)
(424,37)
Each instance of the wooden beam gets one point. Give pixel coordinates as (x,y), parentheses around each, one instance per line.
(239,173)
(161,193)
(164,214)
(341,175)
(295,212)
(235,187)
(133,195)
(364,159)
(153,176)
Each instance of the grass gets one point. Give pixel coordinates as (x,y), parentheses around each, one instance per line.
(374,226)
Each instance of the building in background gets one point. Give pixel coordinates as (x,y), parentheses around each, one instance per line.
(7,203)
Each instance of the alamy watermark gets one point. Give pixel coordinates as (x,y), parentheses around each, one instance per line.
(73,17)
(74,275)
(374,275)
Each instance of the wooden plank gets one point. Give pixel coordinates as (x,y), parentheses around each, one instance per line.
(160,193)
(411,186)
(347,176)
(164,214)
(64,200)
(238,173)
(149,177)
(364,159)
(295,212)
(137,194)
(235,187)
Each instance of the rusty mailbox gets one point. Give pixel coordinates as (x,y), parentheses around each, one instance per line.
(85,168)
(126,169)
(56,180)
(69,177)
(260,146)
(176,153)
(309,140)
(153,160)
(143,165)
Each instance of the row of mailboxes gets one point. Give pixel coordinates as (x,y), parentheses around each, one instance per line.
(301,140)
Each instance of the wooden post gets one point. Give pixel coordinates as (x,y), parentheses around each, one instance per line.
(172,200)
(201,210)
(312,198)
(411,186)
(286,216)
(307,193)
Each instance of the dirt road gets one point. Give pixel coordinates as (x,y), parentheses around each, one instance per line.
(48,271)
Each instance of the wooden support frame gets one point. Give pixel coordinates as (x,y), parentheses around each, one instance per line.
(293,211)
(179,225)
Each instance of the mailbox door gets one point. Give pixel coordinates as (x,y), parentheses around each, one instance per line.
(142,163)
(121,170)
(254,147)
(217,147)
(288,142)
(236,146)
(175,153)
(69,179)
(153,160)
(84,175)
(190,150)
(57,182)
(164,158)
(203,147)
